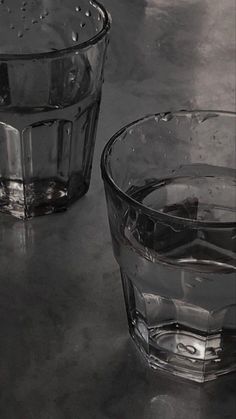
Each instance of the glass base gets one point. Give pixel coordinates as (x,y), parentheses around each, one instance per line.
(180,337)
(185,353)
(40,197)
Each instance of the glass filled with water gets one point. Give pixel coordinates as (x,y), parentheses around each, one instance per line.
(170,182)
(51,73)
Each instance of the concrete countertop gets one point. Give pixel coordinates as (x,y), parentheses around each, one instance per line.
(65,352)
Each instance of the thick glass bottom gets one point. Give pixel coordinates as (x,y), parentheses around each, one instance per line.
(40,197)
(185,353)
(179,336)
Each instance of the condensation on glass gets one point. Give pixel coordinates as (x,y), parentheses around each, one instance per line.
(170,183)
(51,73)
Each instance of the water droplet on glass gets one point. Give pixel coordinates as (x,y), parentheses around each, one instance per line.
(41,17)
(82,25)
(23,9)
(88,13)
(166,117)
(78,9)
(186,348)
(46,13)
(34,21)
(75,36)
(72,77)
(20,34)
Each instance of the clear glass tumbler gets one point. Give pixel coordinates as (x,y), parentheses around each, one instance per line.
(51,73)
(170,182)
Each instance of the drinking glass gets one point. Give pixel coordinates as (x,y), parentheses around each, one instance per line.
(170,182)
(51,73)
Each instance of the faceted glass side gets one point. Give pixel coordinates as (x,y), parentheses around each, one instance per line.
(172,213)
(49,105)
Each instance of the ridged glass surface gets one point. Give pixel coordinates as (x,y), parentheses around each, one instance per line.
(171,191)
(49,102)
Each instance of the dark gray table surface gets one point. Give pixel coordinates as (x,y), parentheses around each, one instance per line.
(65,352)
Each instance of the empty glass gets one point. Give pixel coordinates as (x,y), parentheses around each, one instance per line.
(170,182)
(51,72)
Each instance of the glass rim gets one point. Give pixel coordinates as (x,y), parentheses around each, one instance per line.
(107,177)
(75,47)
